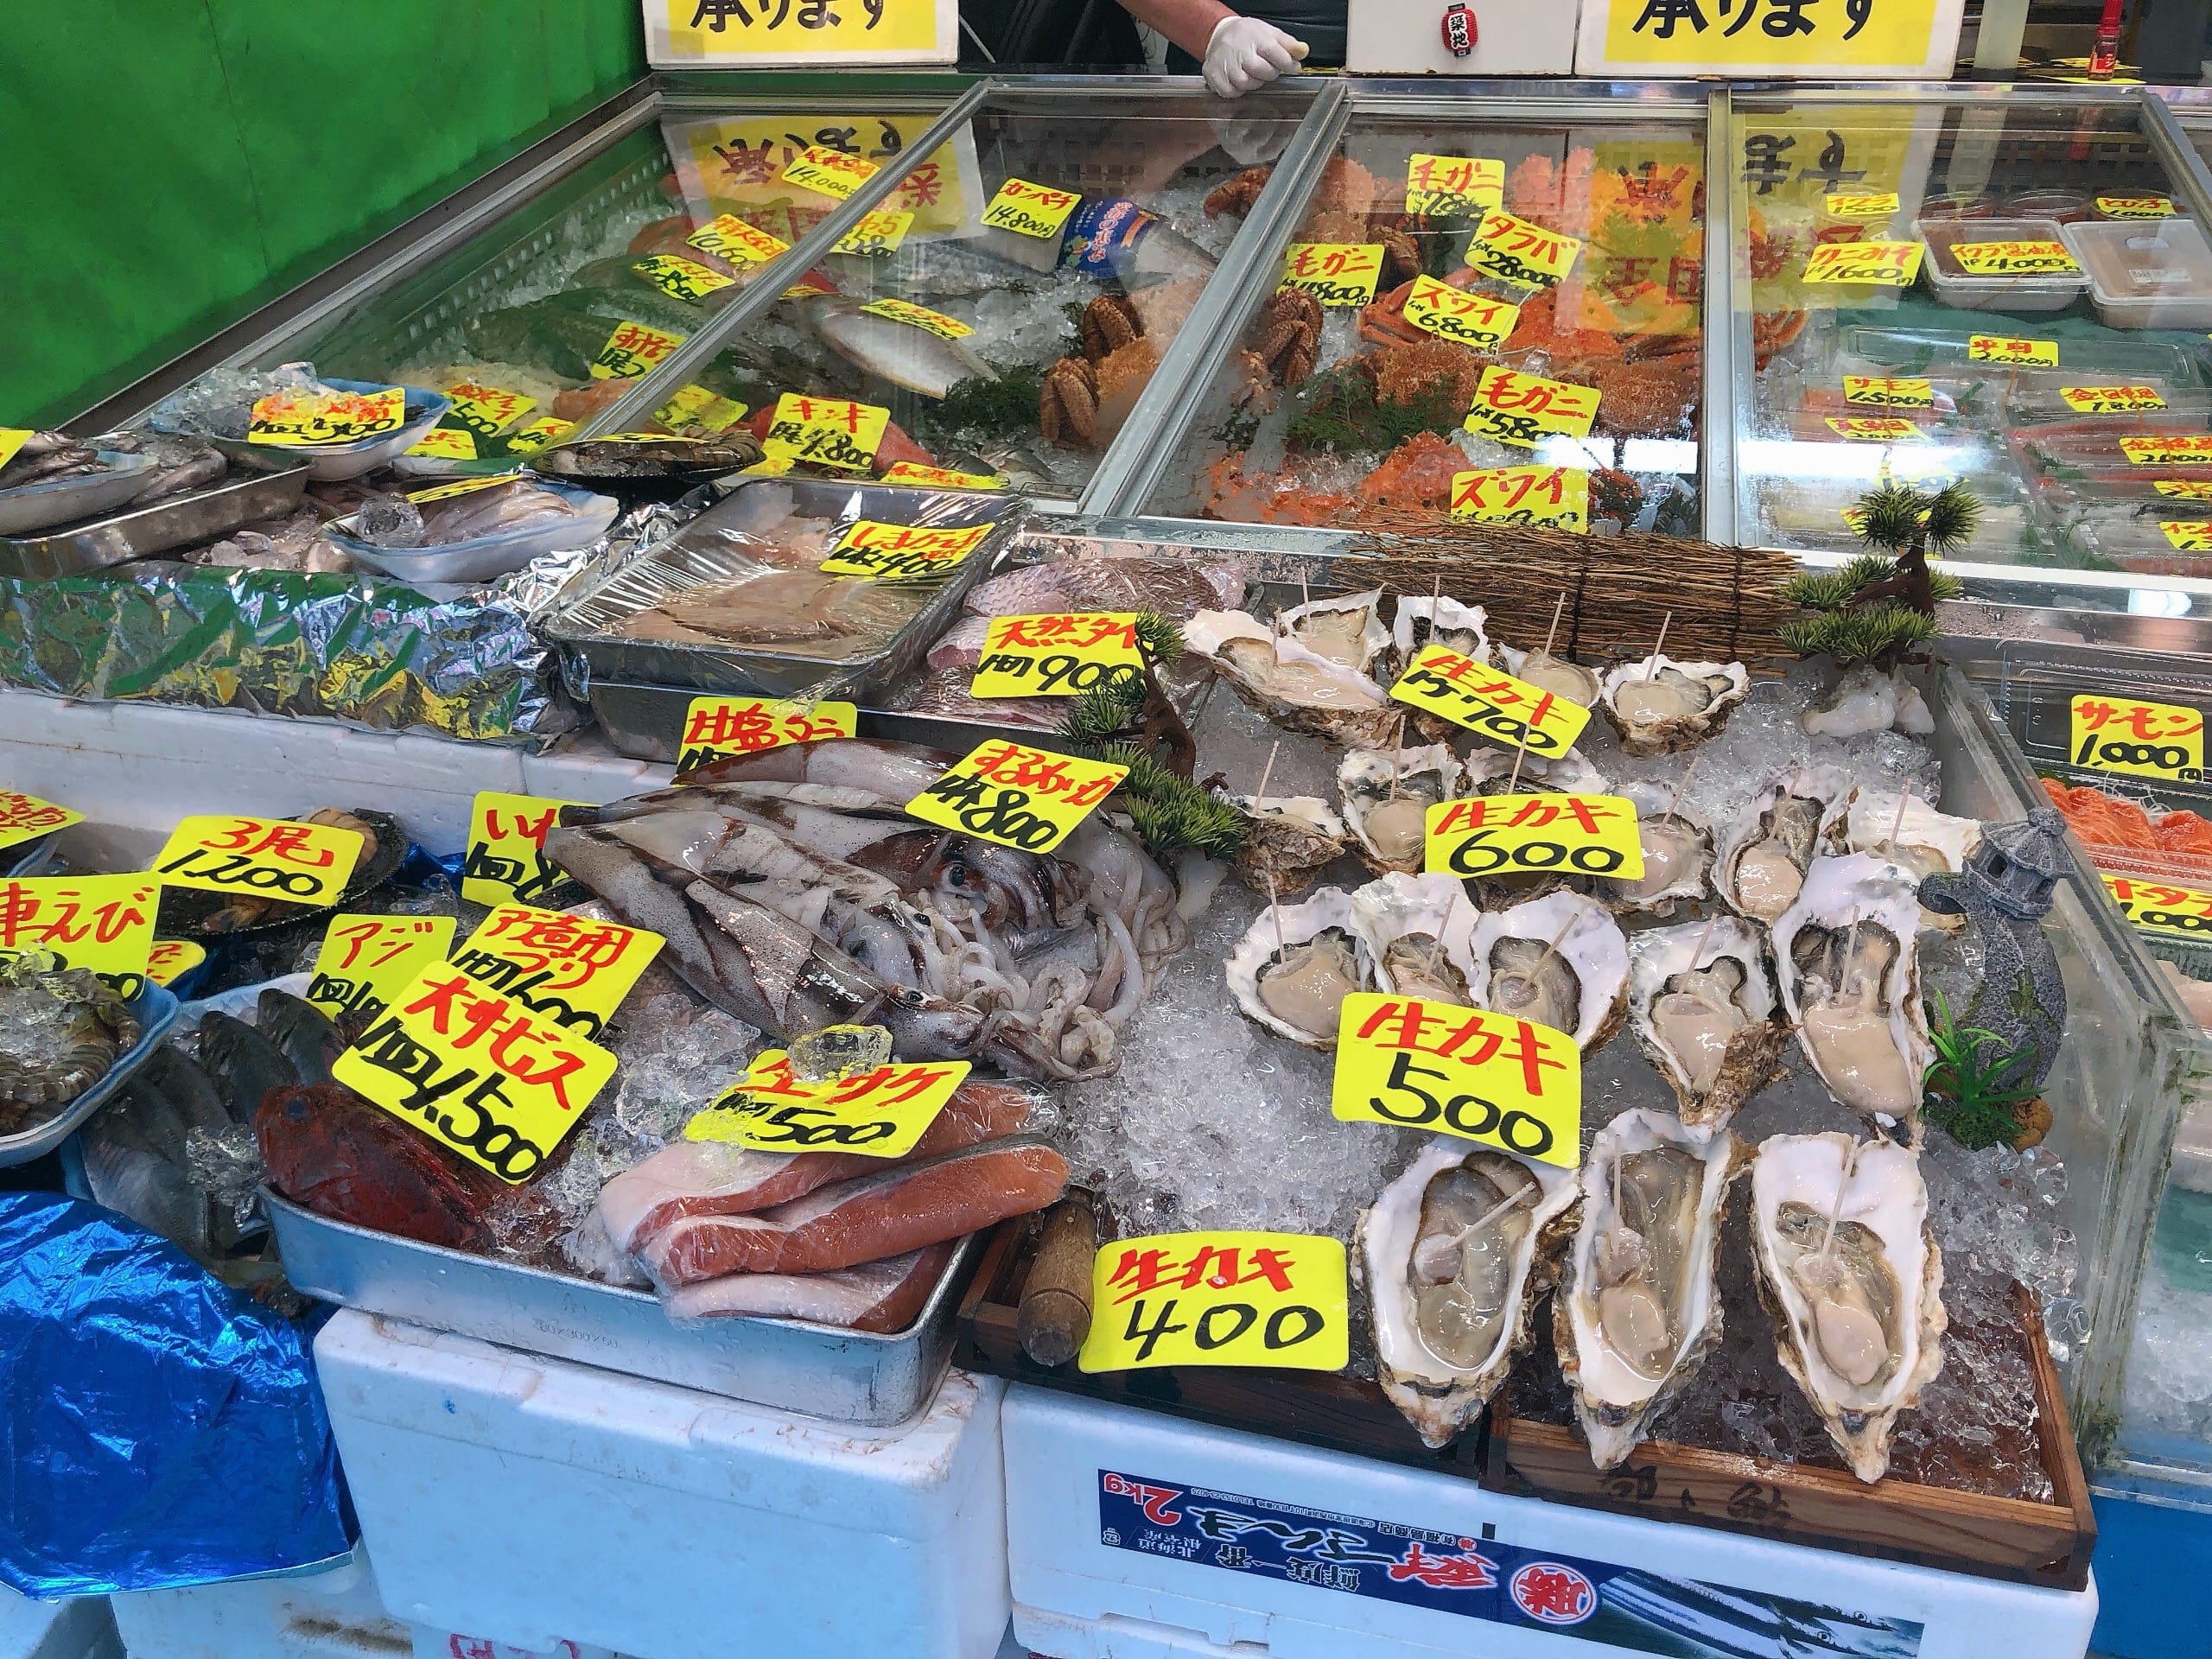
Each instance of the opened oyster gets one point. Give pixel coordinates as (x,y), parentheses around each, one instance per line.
(1638,1309)
(1852,1281)
(1559,961)
(1347,630)
(1556,675)
(1418,932)
(1287,839)
(1850,974)
(1926,841)
(1453,1255)
(61,1030)
(1659,705)
(1764,854)
(1677,855)
(1442,622)
(1489,771)
(1296,965)
(1292,684)
(1387,795)
(1702,1007)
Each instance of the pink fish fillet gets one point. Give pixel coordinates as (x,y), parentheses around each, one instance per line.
(900,1208)
(875,1296)
(713,1178)
(962,644)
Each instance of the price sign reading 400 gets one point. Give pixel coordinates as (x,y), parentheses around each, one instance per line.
(878,1114)
(1017,796)
(1492,1077)
(104,923)
(505,862)
(308,863)
(26,817)
(1276,1300)
(716,726)
(1487,700)
(1057,655)
(2146,740)
(1514,835)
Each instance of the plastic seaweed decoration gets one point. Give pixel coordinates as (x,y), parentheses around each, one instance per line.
(1881,606)
(1963,1097)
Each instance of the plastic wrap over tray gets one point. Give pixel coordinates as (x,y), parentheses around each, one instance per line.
(366,651)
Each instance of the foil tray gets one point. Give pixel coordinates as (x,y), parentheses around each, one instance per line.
(848,1376)
(242,498)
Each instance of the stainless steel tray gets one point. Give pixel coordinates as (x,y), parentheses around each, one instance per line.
(846,1375)
(644,721)
(580,617)
(242,498)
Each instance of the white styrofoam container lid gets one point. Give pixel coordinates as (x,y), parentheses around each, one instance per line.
(78,1628)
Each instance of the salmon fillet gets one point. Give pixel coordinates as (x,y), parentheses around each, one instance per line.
(883,1295)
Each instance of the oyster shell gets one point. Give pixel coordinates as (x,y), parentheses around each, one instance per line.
(1637,1309)
(1556,675)
(1347,629)
(1295,982)
(1418,930)
(1858,1021)
(1298,689)
(1852,1280)
(1867,700)
(1764,854)
(1443,620)
(1453,1255)
(1287,838)
(1559,961)
(1677,855)
(1385,798)
(1700,1003)
(1660,705)
(1491,770)
(1927,842)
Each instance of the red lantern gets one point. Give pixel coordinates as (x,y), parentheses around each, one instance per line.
(1459,29)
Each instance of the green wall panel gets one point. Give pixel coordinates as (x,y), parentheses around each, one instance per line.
(171,164)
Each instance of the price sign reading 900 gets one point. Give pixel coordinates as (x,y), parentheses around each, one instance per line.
(1056,656)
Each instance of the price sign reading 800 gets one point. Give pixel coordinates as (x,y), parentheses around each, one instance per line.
(1492,1078)
(1274,1300)
(1017,796)
(1487,700)
(1512,835)
(2146,740)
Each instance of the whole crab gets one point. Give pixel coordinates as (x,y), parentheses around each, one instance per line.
(1287,335)
(1110,321)
(1068,411)
(1236,195)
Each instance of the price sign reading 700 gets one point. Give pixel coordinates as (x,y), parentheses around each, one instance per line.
(1489,700)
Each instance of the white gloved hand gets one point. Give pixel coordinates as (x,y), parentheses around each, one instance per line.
(1243,54)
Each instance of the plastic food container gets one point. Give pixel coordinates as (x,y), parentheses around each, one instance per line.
(34,506)
(156,1011)
(2038,397)
(330,461)
(486,557)
(2027,293)
(2146,273)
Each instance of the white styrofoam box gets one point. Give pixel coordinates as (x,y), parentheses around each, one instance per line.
(529,1499)
(332,1614)
(81,1627)
(450,1644)
(1512,37)
(1125,1529)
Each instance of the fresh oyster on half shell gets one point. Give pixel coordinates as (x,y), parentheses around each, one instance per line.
(1418,932)
(1293,685)
(1296,965)
(1764,853)
(1386,796)
(1443,622)
(1659,705)
(1557,675)
(1926,841)
(1347,629)
(1559,961)
(1677,855)
(1288,839)
(1702,1006)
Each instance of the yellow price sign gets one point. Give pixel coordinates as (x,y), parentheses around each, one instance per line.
(505,862)
(2005,348)
(1279,1300)
(1335,273)
(571,970)
(2111,400)
(12,439)
(365,961)
(1877,205)
(298,420)
(2161,910)
(1461,186)
(1514,251)
(170,960)
(1489,700)
(478,1072)
(540,434)
(2013,259)
(730,239)
(487,411)
(1062,655)
(1465,319)
(26,817)
(104,923)
(1017,796)
(1530,835)
(681,278)
(2168,449)
(883,552)
(1505,1082)
(826,431)
(2187,536)
(829,171)
(729,33)
(1876,429)
(632,350)
(460,487)
(878,1114)
(878,233)
(273,858)
(907,472)
(1889,264)
(1889,391)
(1526,409)
(2144,740)
(2135,207)
(445,443)
(715,726)
(2186,489)
(695,406)
(1557,497)
(1902,37)
(919,316)
(1030,209)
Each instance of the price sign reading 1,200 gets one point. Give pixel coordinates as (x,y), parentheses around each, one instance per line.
(1492,1077)
(308,863)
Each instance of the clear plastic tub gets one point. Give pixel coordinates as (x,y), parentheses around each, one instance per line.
(2038,397)
(2146,273)
(2030,292)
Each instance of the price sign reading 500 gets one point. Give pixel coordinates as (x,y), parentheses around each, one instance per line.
(1492,1078)
(2146,740)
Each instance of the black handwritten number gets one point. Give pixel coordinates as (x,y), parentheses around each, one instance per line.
(1205,1336)
(1276,1337)
(817,1134)
(1066,668)
(1478,855)
(2174,921)
(1007,818)
(1474,858)
(2168,757)
(239,871)
(1512,1127)
(1160,1327)
(1503,726)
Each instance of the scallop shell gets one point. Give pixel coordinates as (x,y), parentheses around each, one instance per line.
(1393,790)
(1394,914)
(1295,688)
(1590,946)
(1299,925)
(1869,906)
(1438,1393)
(1886,1252)
(1657,959)
(1672,1192)
(1677,856)
(1287,838)
(1697,699)
(1347,629)
(1801,812)
(1557,675)
(1443,620)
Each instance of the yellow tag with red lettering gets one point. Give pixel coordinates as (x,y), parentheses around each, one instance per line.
(632,350)
(2007,348)
(1335,273)
(2111,400)
(1888,264)
(2160,909)
(920,316)
(445,443)
(732,240)
(26,817)
(2145,740)
(1453,314)
(1062,655)
(1030,209)
(826,431)
(681,278)
(1558,497)
(507,862)
(1516,252)
(1876,429)
(2135,207)
(715,725)
(302,420)
(539,435)
(1889,391)
(460,487)
(1531,835)
(487,411)
(695,407)
(901,552)
(831,171)
(365,961)
(1878,205)
(170,960)
(2187,535)
(878,233)
(104,923)
(1277,1300)
(907,472)
(270,858)
(2186,489)
(1492,1078)
(2013,259)
(1455,185)
(567,969)
(2168,449)
(1019,796)
(12,439)
(1490,702)
(878,1114)
(1526,409)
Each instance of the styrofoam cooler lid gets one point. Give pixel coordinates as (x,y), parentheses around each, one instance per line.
(890,1481)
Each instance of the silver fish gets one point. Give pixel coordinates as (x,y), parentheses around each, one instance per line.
(900,352)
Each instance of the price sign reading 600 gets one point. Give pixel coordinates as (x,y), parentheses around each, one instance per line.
(1492,1077)
(1516,835)
(2146,740)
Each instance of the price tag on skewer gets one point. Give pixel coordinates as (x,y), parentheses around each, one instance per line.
(1472,319)
(1017,796)
(1453,186)
(886,552)
(26,817)
(826,432)
(1272,1300)
(878,1114)
(270,858)
(2111,400)
(1488,1076)
(1530,835)
(1490,701)
(1555,498)
(101,923)
(2144,740)
(1335,273)
(1514,251)
(1524,410)
(365,961)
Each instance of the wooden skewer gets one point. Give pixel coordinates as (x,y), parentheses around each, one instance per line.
(1267,772)
(1698,950)
(1275,908)
(1674,807)
(1651,666)
(1896,824)
(1397,748)
(1552,632)
(1520,755)
(1835,1213)
(1499,1209)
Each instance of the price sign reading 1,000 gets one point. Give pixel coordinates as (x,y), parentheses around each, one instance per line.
(2144,740)
(1490,1076)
